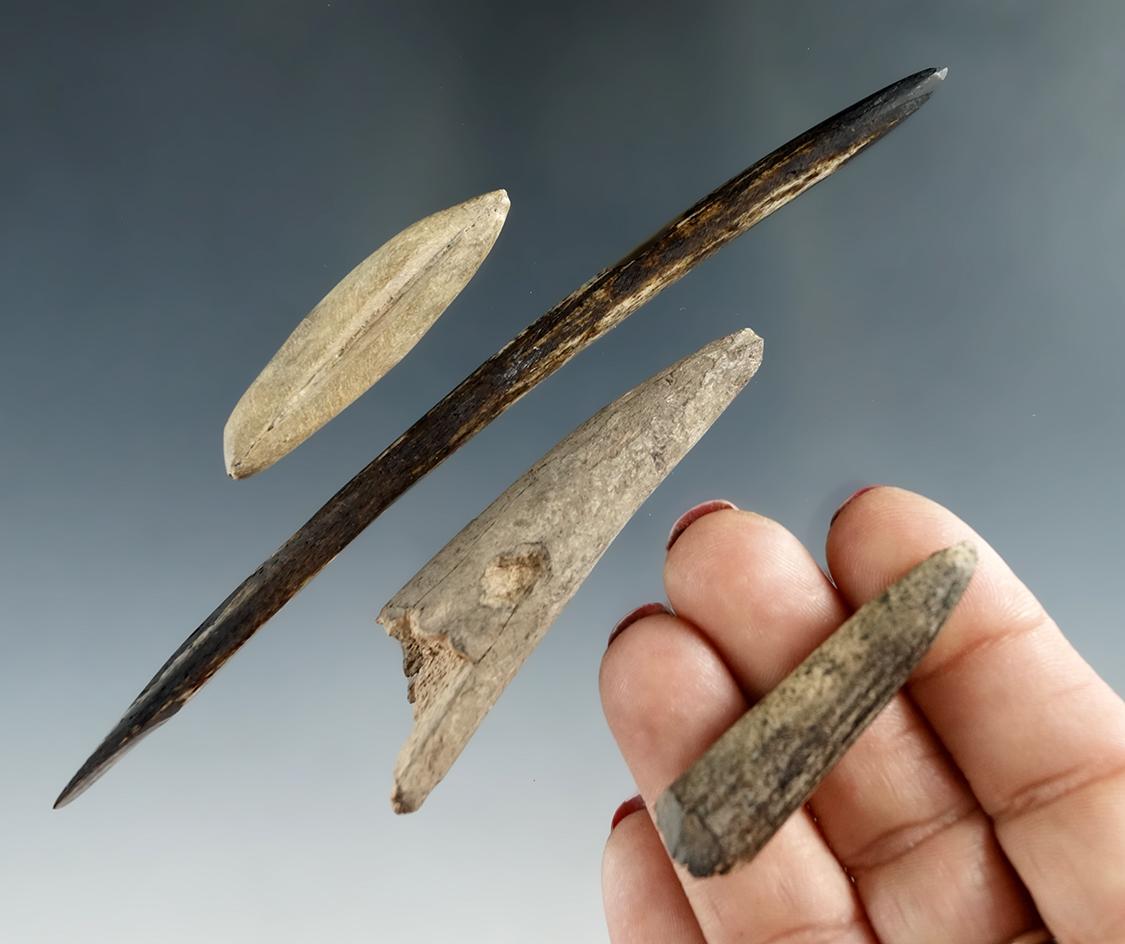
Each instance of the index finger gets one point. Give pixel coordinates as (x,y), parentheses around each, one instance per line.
(1039,736)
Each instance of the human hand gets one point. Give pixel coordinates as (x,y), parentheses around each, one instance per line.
(985,804)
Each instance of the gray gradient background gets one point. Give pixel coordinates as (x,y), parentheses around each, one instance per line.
(180,183)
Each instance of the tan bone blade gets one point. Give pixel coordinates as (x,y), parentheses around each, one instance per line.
(360,330)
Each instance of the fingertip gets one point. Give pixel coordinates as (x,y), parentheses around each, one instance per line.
(693,514)
(703,551)
(869,523)
(627,808)
(889,530)
(851,498)
(640,612)
(879,519)
(626,675)
(750,586)
(666,695)
(644,901)
(624,648)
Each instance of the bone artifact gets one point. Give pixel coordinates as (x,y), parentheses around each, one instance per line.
(359,331)
(472,615)
(732,800)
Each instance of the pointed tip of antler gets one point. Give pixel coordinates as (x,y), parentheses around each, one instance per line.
(930,80)
(96,764)
(155,705)
(71,790)
(892,104)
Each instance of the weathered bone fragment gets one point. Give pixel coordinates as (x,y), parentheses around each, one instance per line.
(360,330)
(732,800)
(473,614)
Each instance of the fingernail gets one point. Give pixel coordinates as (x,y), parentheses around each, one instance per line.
(645,609)
(628,808)
(847,501)
(694,514)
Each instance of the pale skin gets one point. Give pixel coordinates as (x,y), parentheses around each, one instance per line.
(985,805)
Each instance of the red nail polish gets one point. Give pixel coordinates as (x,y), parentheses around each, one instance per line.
(645,609)
(694,514)
(628,808)
(847,501)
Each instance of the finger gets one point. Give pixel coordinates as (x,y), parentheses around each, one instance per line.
(668,696)
(894,809)
(1040,737)
(644,903)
